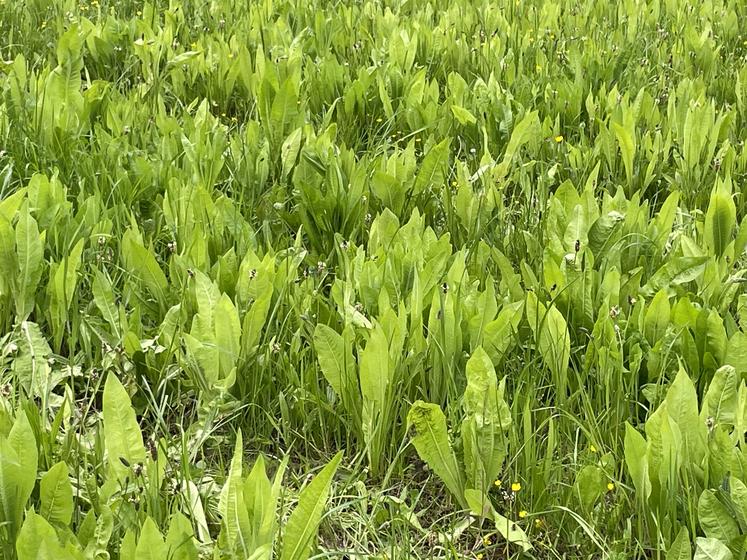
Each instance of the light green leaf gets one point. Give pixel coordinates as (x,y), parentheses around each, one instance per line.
(431,171)
(150,545)
(375,367)
(682,407)
(142,264)
(720,401)
(227,334)
(180,539)
(711,549)
(235,528)
(462,115)
(122,436)
(680,548)
(627,142)
(720,220)
(431,441)
(57,495)
(303,524)
(715,519)
(30,251)
(335,359)
(103,297)
(637,461)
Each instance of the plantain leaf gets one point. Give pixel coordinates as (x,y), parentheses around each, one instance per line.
(143,265)
(303,524)
(103,297)
(431,171)
(122,437)
(18,464)
(715,519)
(180,539)
(150,545)
(235,531)
(680,549)
(720,220)
(431,441)
(57,495)
(30,251)
(711,549)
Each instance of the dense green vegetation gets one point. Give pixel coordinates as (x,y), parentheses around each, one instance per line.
(373,279)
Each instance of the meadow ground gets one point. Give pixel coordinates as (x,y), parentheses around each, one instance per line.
(373,279)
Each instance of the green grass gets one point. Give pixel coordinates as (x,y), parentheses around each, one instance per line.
(295,220)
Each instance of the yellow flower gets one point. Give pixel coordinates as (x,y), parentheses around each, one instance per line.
(139,13)
(610,486)
(522,514)
(497,482)
(559,138)
(480,556)
(592,448)
(538,68)
(516,486)
(486,541)
(379,120)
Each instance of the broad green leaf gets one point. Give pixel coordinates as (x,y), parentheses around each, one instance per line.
(57,495)
(553,340)
(680,549)
(627,142)
(720,401)
(656,319)
(260,503)
(501,334)
(462,115)
(715,519)
(227,334)
(254,322)
(8,264)
(150,545)
(711,549)
(487,420)
(303,524)
(30,250)
(431,440)
(738,495)
(590,486)
(37,540)
(525,131)
(103,297)
(235,528)
(141,263)
(676,271)
(682,407)
(509,530)
(62,287)
(431,172)
(283,112)
(18,464)
(335,359)
(720,220)
(122,436)
(637,461)
(180,539)
(375,367)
